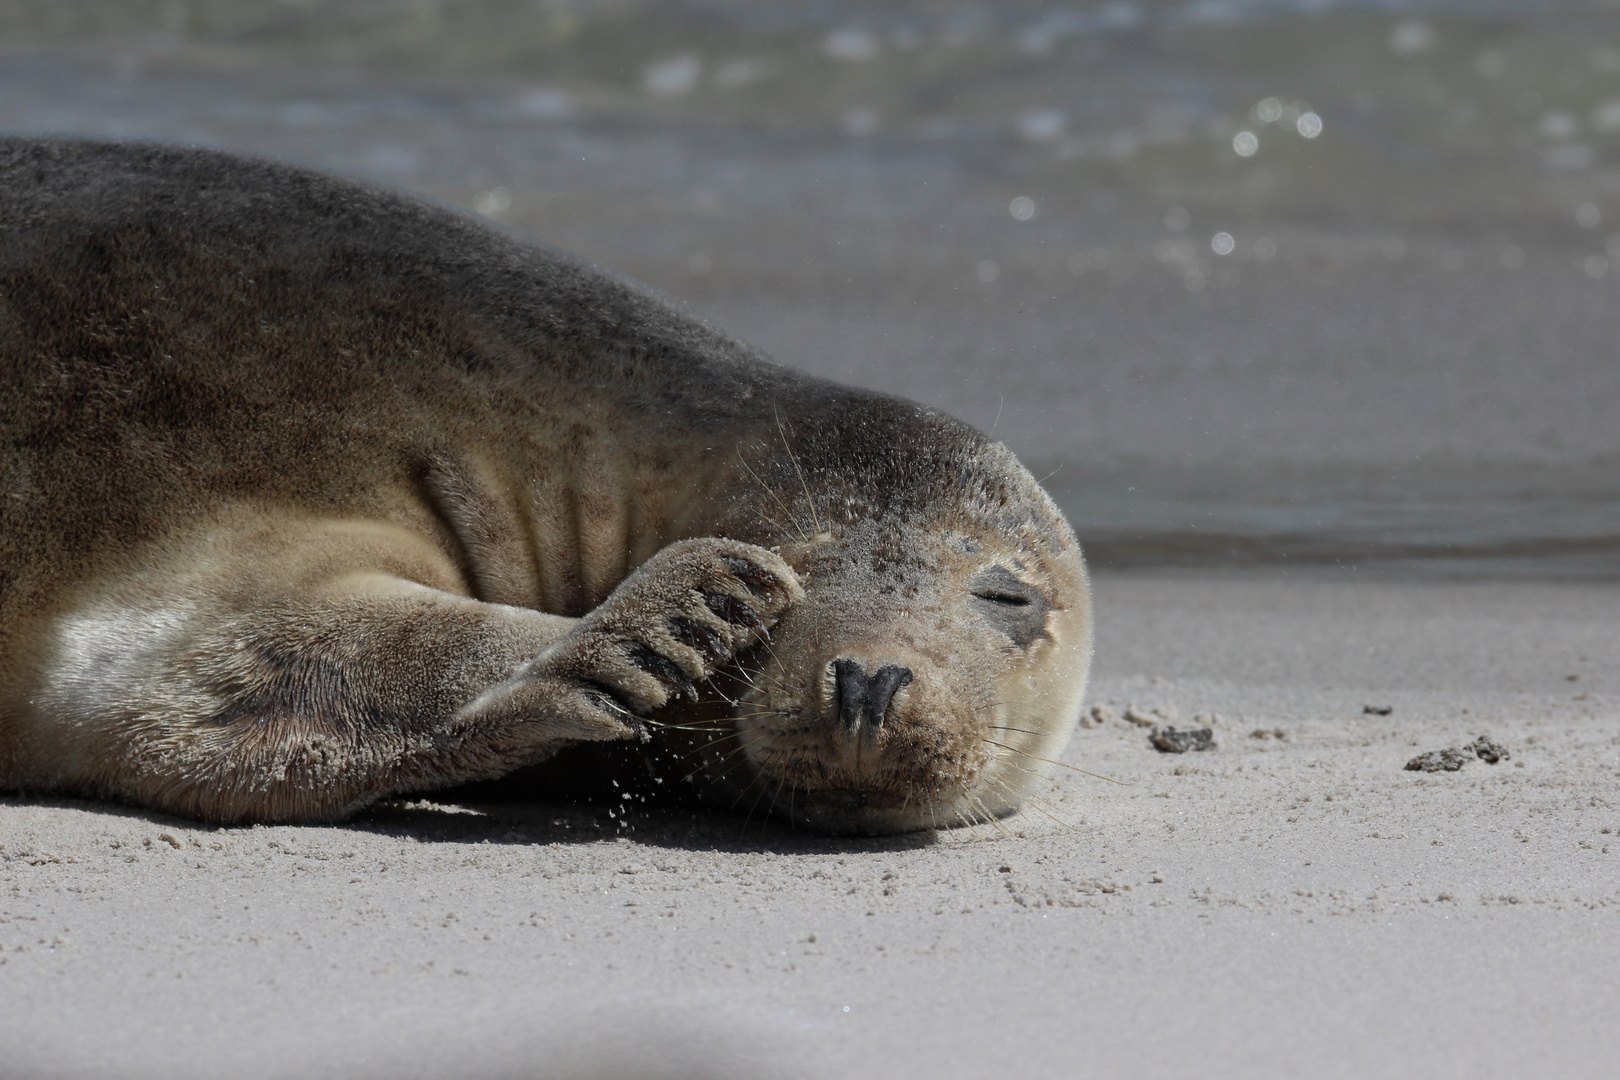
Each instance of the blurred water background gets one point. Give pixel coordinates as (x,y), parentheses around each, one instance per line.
(1323,283)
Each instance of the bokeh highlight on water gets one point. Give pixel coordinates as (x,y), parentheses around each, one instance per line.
(1326,283)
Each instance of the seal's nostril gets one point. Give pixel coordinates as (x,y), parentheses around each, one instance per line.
(849,683)
(881,690)
(862,698)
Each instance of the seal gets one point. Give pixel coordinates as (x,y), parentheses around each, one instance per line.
(312,494)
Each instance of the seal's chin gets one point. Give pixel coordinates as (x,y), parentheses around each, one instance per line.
(929,769)
(917,773)
(854,811)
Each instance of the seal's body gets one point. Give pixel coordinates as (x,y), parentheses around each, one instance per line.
(311,493)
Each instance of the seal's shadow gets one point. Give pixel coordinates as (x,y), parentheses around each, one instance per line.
(590,793)
(672,827)
(583,795)
(533,824)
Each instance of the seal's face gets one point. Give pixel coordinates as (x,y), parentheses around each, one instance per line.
(922,681)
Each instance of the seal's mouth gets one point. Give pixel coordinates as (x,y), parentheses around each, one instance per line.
(923,768)
(824,768)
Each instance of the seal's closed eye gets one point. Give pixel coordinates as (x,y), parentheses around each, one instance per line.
(1000,585)
(1014,606)
(1010,599)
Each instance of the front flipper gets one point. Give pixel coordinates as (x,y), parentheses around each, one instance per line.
(304,676)
(686,611)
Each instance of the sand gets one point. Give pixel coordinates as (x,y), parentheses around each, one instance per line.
(1287,905)
(1425,362)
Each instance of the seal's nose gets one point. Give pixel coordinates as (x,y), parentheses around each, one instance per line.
(864,698)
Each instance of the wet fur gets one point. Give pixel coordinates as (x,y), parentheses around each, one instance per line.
(312,493)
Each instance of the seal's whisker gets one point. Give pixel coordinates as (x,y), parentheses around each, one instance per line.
(772,520)
(1014,794)
(1044,809)
(716,741)
(733,702)
(1059,764)
(985,816)
(764,784)
(1040,805)
(810,502)
(731,771)
(1021,731)
(970,816)
(967,813)
(738,674)
(733,807)
(772,493)
(711,762)
(754,711)
(677,727)
(716,761)
(1027,771)
(749,817)
(741,793)
(699,724)
(776,796)
(739,751)
(773,678)
(713,721)
(989,818)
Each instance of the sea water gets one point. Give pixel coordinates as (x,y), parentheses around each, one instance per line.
(1317,283)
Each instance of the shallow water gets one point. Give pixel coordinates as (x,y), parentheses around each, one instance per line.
(1386,336)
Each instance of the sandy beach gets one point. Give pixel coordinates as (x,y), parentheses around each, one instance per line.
(1285,905)
(1378,336)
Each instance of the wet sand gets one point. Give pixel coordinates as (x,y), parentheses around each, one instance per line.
(1293,904)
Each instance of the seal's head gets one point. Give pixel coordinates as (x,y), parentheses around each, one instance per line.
(939,657)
